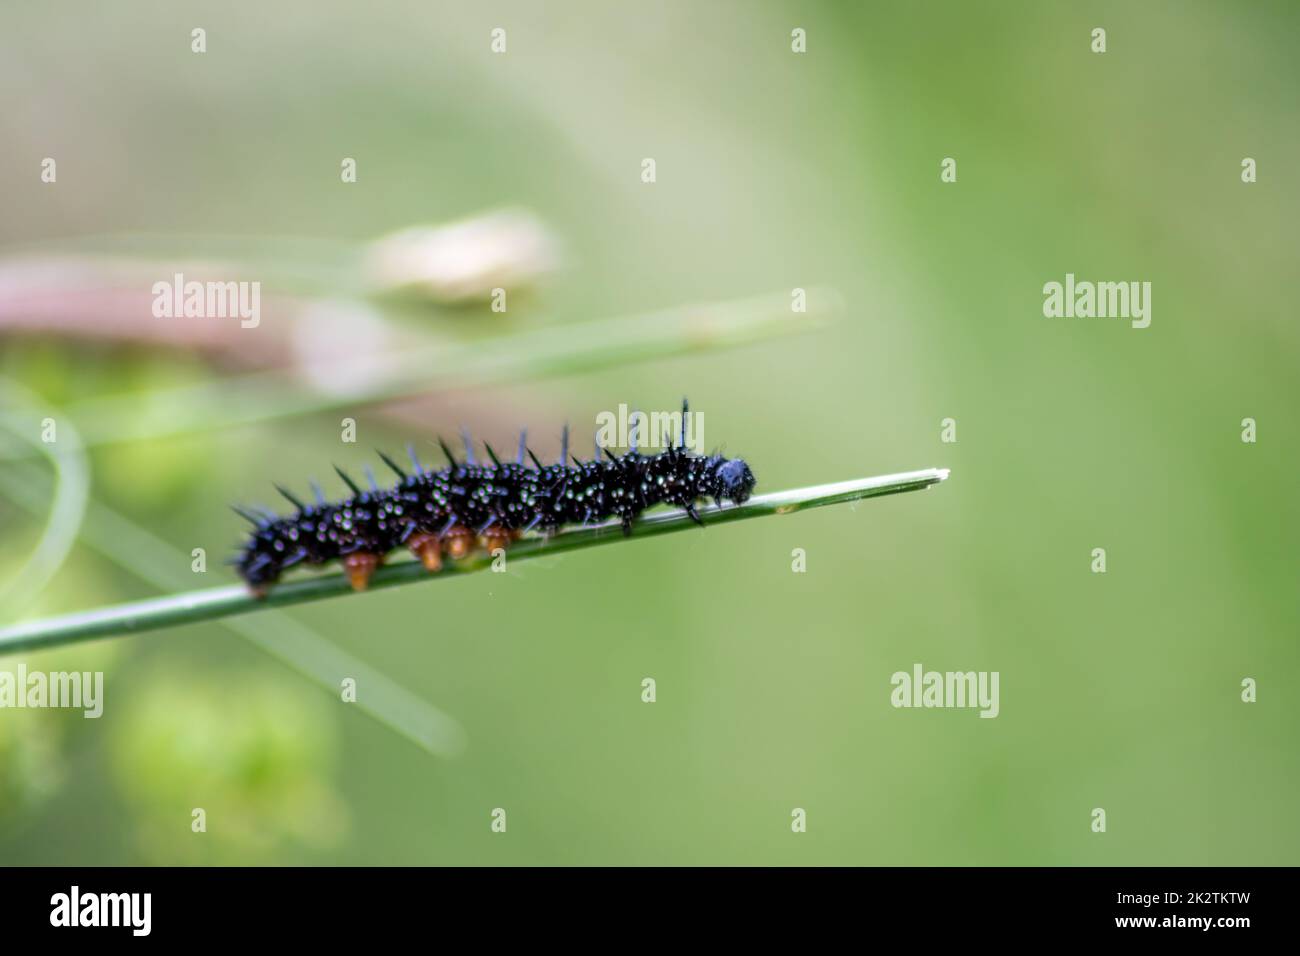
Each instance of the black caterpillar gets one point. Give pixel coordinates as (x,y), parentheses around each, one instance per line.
(432,512)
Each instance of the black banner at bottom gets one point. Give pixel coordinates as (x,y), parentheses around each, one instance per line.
(335,905)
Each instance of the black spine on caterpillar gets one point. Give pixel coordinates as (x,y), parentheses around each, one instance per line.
(486,499)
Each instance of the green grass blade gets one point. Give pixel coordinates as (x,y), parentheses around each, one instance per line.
(67,457)
(535,354)
(222,602)
(277,634)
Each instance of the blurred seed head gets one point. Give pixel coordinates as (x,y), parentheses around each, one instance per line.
(464,261)
(342,346)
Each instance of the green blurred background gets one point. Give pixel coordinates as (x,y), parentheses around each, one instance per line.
(774,171)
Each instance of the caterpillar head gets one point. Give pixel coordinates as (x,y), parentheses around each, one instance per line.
(734,481)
